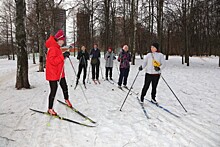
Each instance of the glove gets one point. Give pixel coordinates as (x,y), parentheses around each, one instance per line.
(156,68)
(66,54)
(108,57)
(140,68)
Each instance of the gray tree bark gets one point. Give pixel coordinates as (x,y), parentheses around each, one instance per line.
(22,58)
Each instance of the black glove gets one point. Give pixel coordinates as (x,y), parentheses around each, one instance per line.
(108,57)
(156,68)
(66,54)
(140,68)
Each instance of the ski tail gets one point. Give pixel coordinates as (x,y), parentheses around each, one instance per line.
(142,107)
(78,112)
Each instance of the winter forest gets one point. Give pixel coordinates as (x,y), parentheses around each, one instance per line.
(188,34)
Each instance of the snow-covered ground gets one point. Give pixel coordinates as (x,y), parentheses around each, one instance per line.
(197,87)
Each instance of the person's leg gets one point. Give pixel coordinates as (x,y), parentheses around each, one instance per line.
(110,69)
(93,71)
(121,76)
(53,90)
(79,73)
(106,73)
(155,80)
(126,76)
(97,71)
(147,82)
(64,87)
(84,73)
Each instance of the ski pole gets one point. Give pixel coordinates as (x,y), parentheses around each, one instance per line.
(129,90)
(101,72)
(62,71)
(117,67)
(173,93)
(88,74)
(79,85)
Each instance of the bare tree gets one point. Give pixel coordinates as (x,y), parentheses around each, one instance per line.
(22,59)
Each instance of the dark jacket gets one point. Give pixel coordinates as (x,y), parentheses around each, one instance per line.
(83,57)
(124,58)
(95,55)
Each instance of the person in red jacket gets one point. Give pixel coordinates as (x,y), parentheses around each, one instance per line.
(55,68)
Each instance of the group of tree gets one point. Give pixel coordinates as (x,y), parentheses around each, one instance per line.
(182,27)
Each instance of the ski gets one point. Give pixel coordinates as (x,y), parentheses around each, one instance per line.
(98,81)
(78,112)
(62,118)
(121,88)
(142,106)
(75,86)
(159,106)
(111,82)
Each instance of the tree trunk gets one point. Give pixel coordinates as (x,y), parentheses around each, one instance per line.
(33,51)
(40,36)
(11,33)
(106,39)
(134,13)
(159,21)
(22,58)
(168,43)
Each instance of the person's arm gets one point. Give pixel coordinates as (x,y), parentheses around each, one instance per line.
(144,64)
(119,57)
(53,58)
(79,55)
(162,62)
(99,55)
(86,55)
(130,56)
(91,53)
(106,56)
(113,56)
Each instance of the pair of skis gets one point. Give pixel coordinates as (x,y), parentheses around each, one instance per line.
(69,120)
(122,88)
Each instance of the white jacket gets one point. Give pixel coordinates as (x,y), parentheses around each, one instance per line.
(148,62)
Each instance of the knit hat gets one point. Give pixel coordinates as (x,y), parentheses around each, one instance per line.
(60,35)
(156,45)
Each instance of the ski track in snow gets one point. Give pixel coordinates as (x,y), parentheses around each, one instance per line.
(197,87)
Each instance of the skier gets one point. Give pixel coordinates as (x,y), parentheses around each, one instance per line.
(124,58)
(95,62)
(154,63)
(83,56)
(54,68)
(109,57)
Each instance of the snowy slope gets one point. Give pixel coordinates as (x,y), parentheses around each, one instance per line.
(197,87)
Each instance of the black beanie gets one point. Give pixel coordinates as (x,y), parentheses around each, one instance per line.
(156,45)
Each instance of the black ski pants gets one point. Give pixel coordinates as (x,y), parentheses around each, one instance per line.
(123,76)
(53,90)
(108,70)
(95,71)
(80,68)
(153,79)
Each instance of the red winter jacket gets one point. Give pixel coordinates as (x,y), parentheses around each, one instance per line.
(54,61)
